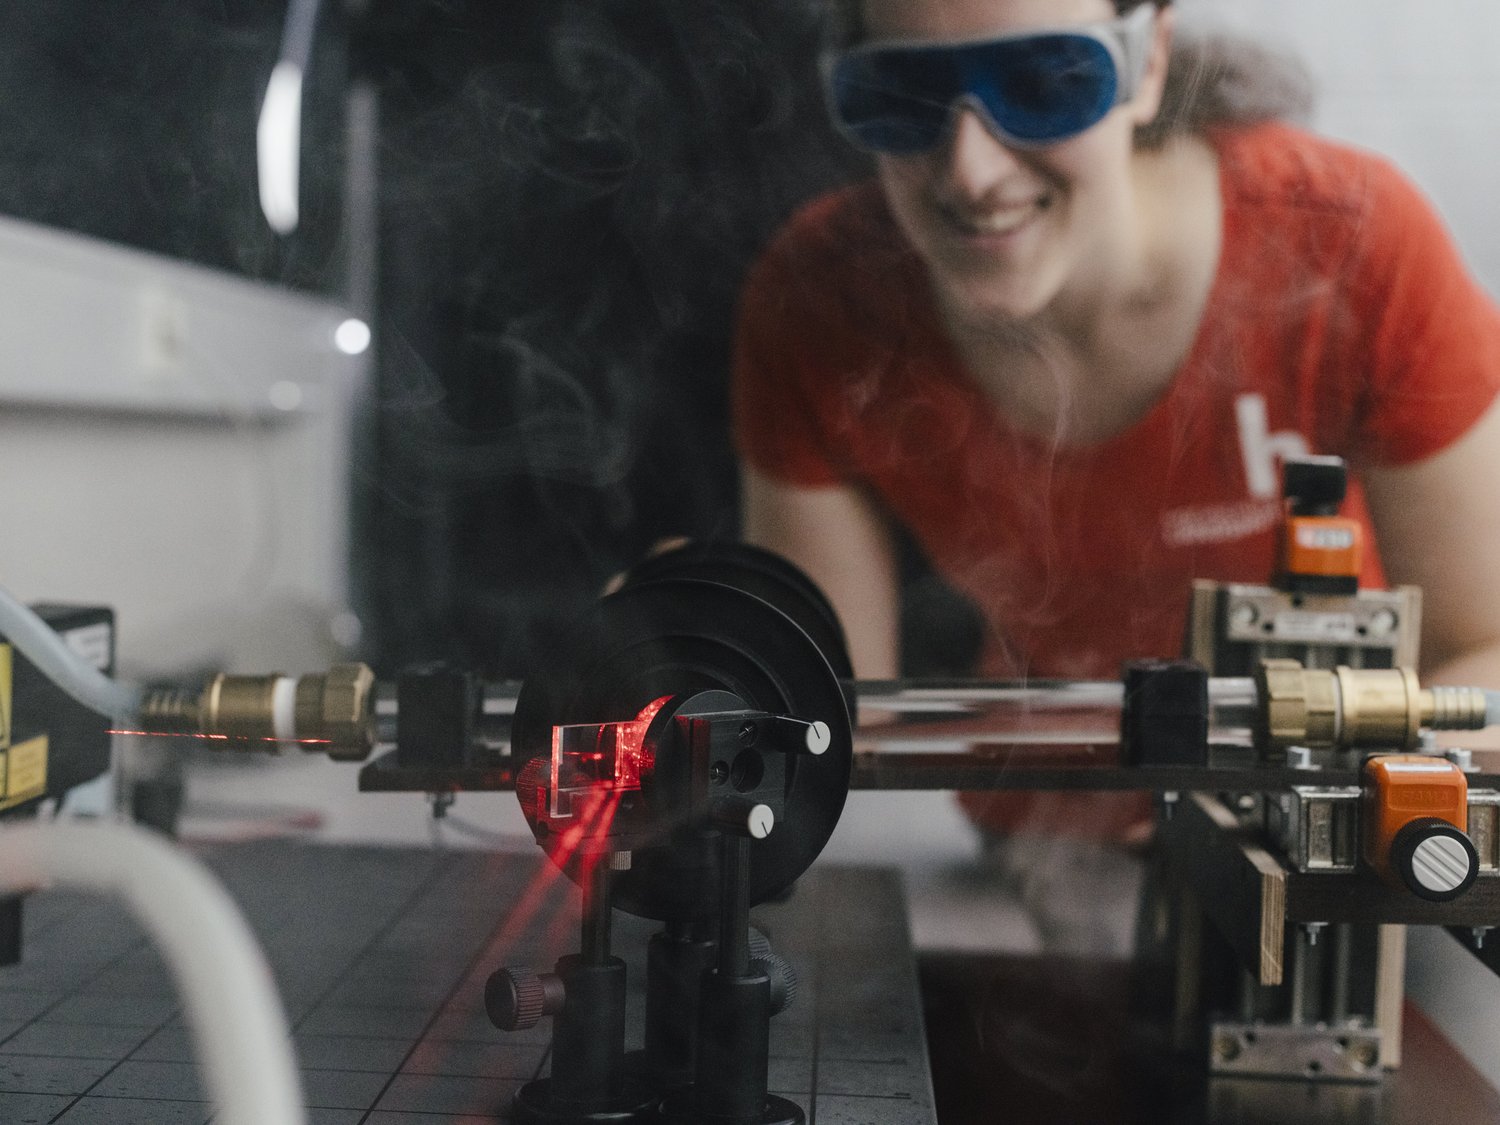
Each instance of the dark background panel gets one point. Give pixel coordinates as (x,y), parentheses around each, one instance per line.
(568,193)
(571,193)
(136,123)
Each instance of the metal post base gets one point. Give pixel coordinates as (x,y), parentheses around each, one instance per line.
(679,1109)
(534,1105)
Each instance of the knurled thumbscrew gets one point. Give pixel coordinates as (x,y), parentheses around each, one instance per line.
(516,999)
(779,969)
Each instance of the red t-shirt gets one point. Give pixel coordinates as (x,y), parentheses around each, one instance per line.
(1341,320)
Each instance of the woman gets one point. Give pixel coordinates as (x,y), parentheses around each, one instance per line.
(1065,338)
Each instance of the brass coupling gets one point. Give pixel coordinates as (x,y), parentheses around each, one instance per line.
(1350,708)
(332,712)
(339,706)
(1381,707)
(1298,707)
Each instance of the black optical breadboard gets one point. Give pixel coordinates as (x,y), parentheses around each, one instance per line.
(381,956)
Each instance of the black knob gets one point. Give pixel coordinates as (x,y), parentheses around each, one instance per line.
(783,976)
(1435,859)
(516,999)
(783,980)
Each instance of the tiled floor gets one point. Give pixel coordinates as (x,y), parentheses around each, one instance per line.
(381,955)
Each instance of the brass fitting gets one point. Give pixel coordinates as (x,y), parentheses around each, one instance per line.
(339,706)
(1381,707)
(238,706)
(1355,707)
(1297,708)
(1454,708)
(332,712)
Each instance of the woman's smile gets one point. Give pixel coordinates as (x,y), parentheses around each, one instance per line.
(992,226)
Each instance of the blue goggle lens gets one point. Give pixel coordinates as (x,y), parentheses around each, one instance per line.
(1036,89)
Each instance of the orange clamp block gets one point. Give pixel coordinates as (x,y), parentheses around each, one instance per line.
(1402,788)
(1325,546)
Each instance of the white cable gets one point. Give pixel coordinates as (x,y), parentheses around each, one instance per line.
(41,645)
(244,1047)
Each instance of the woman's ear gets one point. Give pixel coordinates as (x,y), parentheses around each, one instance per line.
(1146,104)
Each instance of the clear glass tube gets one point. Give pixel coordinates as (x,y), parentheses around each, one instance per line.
(947,715)
(901,714)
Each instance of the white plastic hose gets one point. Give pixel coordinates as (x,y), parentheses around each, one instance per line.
(244,1046)
(60,664)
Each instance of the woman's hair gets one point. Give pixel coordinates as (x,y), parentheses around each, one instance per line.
(1213,81)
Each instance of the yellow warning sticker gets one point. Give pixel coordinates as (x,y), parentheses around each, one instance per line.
(5,667)
(25,771)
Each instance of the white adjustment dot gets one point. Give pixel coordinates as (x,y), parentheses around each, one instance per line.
(819,737)
(760,821)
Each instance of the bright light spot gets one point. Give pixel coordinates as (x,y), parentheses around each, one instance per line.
(352,337)
(278,145)
(286,395)
(346,629)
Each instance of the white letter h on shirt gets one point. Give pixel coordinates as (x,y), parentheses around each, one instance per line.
(1260,449)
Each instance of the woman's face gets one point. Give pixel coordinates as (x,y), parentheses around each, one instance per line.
(1005,230)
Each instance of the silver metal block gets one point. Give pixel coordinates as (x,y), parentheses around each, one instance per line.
(1317,827)
(1372,619)
(1484,828)
(1338,1054)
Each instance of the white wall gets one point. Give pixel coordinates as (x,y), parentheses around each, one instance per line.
(173,442)
(1416,82)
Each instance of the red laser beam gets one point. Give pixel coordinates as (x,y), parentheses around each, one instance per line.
(219,737)
(597,807)
(590,861)
(632,756)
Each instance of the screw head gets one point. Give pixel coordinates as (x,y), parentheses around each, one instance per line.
(1227,1048)
(1364,1053)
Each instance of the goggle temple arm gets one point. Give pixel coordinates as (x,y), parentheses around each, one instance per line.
(1136,35)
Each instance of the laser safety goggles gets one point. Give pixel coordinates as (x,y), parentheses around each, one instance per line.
(1031,88)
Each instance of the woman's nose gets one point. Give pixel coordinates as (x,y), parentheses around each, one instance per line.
(974,158)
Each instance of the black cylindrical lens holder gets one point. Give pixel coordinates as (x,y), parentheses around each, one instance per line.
(588,1035)
(734,1048)
(675,964)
